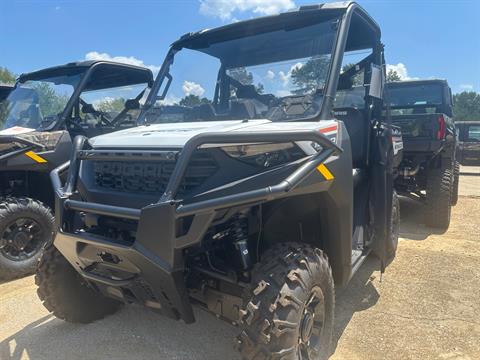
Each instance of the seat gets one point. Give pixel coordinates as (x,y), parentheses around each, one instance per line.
(358,131)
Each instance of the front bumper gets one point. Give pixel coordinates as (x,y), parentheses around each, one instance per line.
(151,270)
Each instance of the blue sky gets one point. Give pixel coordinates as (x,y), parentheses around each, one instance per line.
(424,38)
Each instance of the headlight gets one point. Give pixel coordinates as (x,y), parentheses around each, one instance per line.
(265,155)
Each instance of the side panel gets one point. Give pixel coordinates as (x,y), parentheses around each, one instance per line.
(322,217)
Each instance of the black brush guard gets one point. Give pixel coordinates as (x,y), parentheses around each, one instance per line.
(153,266)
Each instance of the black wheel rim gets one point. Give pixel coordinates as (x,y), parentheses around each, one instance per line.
(311,326)
(22,239)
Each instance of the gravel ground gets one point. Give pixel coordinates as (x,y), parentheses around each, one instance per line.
(426,307)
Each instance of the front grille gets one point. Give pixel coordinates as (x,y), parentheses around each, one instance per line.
(151,177)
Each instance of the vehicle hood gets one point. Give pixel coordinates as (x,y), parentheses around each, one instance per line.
(175,135)
(16,130)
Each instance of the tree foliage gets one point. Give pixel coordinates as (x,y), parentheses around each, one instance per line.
(110,105)
(50,102)
(392,75)
(311,75)
(358,78)
(245,78)
(6,76)
(193,100)
(466,106)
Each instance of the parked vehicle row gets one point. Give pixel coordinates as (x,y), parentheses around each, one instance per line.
(429,170)
(41,115)
(253,203)
(468,139)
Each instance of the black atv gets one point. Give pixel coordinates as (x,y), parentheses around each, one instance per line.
(429,171)
(39,117)
(252,202)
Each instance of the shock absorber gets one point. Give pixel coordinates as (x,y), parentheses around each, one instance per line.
(239,235)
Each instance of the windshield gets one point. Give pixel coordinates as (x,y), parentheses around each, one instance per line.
(115,106)
(277,75)
(415,98)
(37,103)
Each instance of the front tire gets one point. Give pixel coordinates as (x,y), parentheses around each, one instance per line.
(438,202)
(288,313)
(66,294)
(26,227)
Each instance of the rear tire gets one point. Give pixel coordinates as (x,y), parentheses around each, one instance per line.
(456,180)
(438,202)
(66,294)
(26,227)
(289,310)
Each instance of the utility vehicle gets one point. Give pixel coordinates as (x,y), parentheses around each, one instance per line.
(468,139)
(39,117)
(252,196)
(429,171)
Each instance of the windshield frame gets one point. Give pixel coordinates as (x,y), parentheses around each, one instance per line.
(164,73)
(85,75)
(344,17)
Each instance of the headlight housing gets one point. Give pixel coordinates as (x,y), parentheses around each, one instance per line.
(265,155)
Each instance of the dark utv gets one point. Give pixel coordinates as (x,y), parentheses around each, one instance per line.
(468,142)
(429,171)
(38,119)
(252,202)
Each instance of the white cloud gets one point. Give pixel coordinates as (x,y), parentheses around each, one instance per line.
(192,88)
(94,55)
(285,77)
(224,9)
(401,70)
(270,75)
(466,87)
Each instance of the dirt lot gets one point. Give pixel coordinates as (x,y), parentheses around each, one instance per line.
(426,307)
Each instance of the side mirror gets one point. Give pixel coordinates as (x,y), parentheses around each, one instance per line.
(377,82)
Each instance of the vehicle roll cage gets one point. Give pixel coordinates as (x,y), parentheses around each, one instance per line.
(89,67)
(345,10)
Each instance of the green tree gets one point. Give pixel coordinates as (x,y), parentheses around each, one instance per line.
(50,102)
(241,75)
(466,106)
(245,78)
(357,79)
(110,105)
(193,100)
(392,75)
(6,76)
(311,75)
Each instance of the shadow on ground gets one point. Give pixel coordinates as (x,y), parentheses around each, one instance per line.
(412,226)
(137,333)
(134,333)
(359,295)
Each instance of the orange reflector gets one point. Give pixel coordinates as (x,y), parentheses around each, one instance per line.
(322,169)
(35,157)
